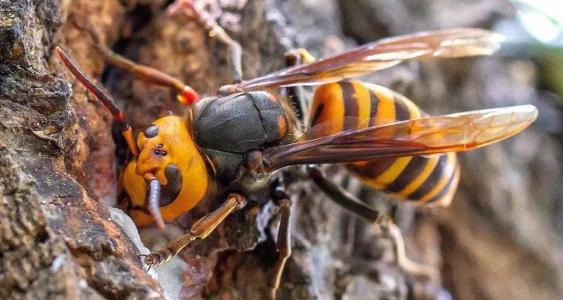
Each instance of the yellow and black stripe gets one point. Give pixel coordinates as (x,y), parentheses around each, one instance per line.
(349,105)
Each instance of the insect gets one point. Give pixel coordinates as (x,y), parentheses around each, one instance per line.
(242,138)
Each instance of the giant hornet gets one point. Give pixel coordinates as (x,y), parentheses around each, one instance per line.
(236,141)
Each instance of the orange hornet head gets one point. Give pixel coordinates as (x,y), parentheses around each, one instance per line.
(168,152)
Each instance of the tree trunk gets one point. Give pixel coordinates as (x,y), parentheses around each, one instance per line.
(58,161)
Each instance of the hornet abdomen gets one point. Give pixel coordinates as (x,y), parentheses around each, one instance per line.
(353,104)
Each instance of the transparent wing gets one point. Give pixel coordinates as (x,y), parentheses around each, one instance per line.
(384,53)
(448,133)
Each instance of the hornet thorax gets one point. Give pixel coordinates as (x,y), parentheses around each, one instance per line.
(232,129)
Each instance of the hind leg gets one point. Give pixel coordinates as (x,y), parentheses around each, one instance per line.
(370,214)
(394,232)
(295,93)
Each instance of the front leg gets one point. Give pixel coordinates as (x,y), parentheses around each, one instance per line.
(200,230)
(185,93)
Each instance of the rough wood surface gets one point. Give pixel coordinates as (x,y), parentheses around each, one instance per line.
(56,240)
(58,160)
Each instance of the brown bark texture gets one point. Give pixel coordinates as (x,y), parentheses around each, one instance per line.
(59,163)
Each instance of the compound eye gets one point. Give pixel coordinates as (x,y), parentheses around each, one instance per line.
(151,131)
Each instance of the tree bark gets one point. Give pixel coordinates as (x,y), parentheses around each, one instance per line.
(57,240)
(59,237)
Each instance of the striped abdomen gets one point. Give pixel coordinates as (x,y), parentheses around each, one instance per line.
(353,104)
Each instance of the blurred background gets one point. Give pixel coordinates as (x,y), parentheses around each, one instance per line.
(501,237)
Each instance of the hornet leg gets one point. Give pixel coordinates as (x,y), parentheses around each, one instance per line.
(185,94)
(201,16)
(343,198)
(401,256)
(199,230)
(353,204)
(295,93)
(282,199)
